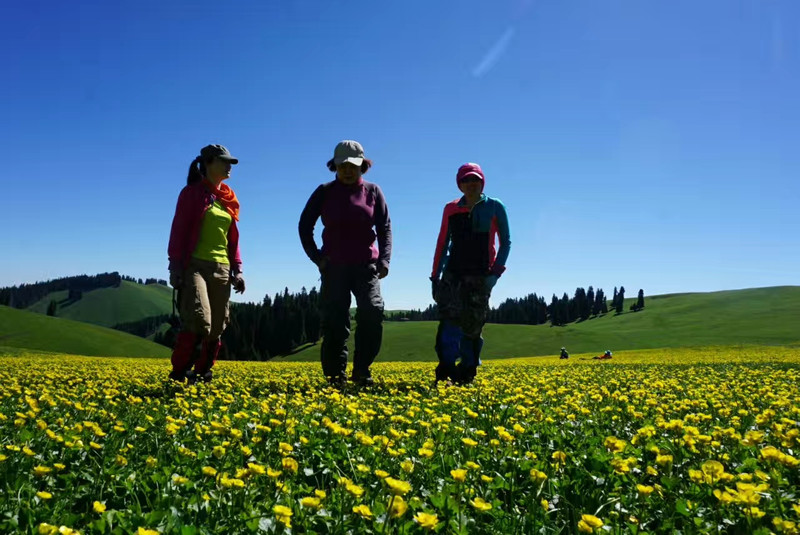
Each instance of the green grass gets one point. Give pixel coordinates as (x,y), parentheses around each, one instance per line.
(111,306)
(763,316)
(28,330)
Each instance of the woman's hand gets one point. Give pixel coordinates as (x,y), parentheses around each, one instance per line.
(175,279)
(238,283)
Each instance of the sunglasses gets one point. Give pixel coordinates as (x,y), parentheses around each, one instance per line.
(469,178)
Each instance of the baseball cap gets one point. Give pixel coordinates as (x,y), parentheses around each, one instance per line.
(470,169)
(217,151)
(348,151)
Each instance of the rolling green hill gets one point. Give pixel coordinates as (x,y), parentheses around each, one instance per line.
(765,316)
(111,306)
(28,330)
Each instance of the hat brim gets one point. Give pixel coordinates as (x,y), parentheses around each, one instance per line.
(353,160)
(471,173)
(227,158)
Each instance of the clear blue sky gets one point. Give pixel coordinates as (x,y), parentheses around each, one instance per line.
(654,145)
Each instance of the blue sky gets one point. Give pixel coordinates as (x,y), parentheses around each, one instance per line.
(652,145)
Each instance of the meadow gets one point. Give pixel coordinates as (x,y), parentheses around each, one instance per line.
(695,440)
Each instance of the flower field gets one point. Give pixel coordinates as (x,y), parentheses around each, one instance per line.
(695,441)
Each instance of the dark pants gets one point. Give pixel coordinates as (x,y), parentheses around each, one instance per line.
(463,303)
(338,282)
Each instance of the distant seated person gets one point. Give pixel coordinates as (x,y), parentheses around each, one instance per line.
(604,356)
(564,353)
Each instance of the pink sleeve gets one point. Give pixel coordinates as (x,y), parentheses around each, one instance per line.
(179,235)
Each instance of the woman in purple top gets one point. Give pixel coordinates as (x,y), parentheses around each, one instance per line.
(354,214)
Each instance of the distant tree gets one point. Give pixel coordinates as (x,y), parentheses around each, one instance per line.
(640,300)
(591,305)
(614,299)
(620,299)
(51,308)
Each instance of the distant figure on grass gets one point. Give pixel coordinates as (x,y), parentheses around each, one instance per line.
(354,213)
(465,269)
(564,353)
(604,356)
(204,262)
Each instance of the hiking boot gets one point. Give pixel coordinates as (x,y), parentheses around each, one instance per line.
(362,379)
(180,376)
(338,381)
(206,377)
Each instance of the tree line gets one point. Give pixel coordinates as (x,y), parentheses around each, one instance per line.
(289,321)
(25,295)
(534,309)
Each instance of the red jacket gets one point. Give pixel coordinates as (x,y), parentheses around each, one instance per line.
(193,202)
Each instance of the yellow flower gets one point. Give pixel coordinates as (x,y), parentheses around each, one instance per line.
(256,469)
(283,515)
(644,490)
(363,511)
(363,468)
(592,521)
(664,460)
(426,520)
(180,480)
(99,507)
(538,476)
(754,512)
(27,451)
(285,449)
(398,508)
(425,452)
(151,462)
(290,465)
(480,504)
(381,474)
(47,529)
(218,451)
(354,489)
(274,474)
(209,471)
(713,469)
(397,487)
(59,466)
(44,495)
(41,471)
(559,457)
(321,494)
(310,502)
(469,442)
(544,504)
(407,466)
(583,527)
(486,479)
(459,475)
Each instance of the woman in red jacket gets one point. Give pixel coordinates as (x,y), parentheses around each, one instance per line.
(204,262)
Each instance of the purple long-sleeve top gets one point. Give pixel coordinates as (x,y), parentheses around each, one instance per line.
(353,217)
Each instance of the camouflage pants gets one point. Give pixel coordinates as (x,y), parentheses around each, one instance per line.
(463,301)
(463,305)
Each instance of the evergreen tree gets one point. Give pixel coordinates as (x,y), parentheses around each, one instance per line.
(51,308)
(620,299)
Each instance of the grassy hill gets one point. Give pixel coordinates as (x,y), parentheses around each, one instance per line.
(765,316)
(23,329)
(111,306)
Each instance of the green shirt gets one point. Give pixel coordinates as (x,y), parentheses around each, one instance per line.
(213,242)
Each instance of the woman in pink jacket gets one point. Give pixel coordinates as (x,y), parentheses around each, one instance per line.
(204,262)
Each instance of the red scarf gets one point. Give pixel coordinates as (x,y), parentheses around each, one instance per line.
(226,197)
